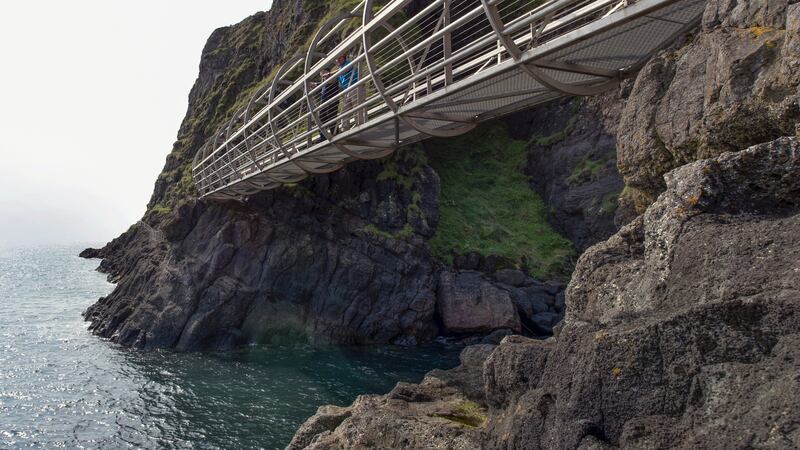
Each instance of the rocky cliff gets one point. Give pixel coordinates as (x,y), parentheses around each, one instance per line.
(681,329)
(681,332)
(733,85)
(393,251)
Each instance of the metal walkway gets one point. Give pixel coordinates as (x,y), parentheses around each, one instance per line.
(438,72)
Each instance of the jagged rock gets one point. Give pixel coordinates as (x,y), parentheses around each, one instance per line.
(681,330)
(635,271)
(470,261)
(560,303)
(327,418)
(531,305)
(735,84)
(513,368)
(496,337)
(467,303)
(542,323)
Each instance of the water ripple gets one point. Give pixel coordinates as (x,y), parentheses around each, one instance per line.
(60,387)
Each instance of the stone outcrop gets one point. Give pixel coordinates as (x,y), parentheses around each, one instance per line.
(681,332)
(229,274)
(735,84)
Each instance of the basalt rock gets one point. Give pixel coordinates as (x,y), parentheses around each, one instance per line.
(303,260)
(681,331)
(735,83)
(467,303)
(572,164)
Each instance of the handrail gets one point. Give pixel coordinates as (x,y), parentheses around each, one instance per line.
(413,75)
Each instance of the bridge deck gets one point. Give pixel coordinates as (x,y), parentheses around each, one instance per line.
(435,72)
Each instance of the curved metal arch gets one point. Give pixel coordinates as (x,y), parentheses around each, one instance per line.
(260,92)
(307,64)
(272,93)
(312,50)
(381,88)
(218,140)
(199,155)
(228,131)
(536,72)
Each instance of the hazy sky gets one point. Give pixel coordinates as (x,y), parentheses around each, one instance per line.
(91,96)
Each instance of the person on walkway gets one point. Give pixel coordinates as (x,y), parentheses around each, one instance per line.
(354,95)
(327,113)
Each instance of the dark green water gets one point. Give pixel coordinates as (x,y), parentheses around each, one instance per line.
(62,387)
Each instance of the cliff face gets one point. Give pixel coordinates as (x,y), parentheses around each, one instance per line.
(397,250)
(234,61)
(734,85)
(227,274)
(681,332)
(682,328)
(572,164)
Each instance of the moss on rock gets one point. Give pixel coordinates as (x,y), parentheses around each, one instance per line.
(488,207)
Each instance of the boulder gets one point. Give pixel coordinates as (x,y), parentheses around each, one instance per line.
(468,303)
(542,324)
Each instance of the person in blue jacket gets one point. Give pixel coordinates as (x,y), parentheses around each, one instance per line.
(353,96)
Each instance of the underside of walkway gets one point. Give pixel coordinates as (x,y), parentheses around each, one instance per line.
(440,72)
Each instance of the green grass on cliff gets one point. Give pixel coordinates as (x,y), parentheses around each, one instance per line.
(487,205)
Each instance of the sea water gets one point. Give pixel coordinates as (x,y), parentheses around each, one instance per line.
(61,387)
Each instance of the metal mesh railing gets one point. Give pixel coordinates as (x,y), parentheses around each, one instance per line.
(373,80)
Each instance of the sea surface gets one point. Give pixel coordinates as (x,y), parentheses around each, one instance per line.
(61,387)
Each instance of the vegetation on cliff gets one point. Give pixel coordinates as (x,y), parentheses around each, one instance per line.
(488,207)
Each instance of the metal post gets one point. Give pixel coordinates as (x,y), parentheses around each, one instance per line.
(447,44)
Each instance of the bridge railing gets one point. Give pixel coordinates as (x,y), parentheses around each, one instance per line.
(394,65)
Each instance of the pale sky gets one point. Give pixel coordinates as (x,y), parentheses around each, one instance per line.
(92,93)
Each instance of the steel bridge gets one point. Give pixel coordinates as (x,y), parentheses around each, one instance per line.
(438,71)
